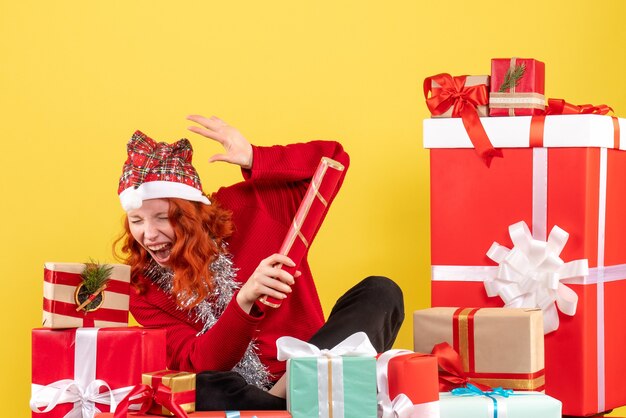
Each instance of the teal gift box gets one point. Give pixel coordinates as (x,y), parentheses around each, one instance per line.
(515,405)
(337,383)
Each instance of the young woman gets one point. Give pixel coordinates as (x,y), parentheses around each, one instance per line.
(199,265)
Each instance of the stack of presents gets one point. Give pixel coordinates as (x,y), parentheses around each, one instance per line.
(528,246)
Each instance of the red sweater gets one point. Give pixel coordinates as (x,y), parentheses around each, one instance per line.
(263,208)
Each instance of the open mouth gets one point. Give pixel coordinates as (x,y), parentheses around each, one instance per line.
(161,252)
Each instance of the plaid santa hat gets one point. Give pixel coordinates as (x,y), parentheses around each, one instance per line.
(158,170)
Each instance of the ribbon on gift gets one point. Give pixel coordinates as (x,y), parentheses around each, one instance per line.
(561,107)
(145,396)
(463,100)
(329,366)
(84,390)
(401,406)
(306,222)
(472,390)
(530,275)
(451,373)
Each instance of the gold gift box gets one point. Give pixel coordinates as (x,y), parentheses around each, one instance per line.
(498,346)
(181,384)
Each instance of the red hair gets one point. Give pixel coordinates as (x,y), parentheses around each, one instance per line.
(199,232)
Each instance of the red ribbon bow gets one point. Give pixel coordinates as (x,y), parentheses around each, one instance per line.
(145,396)
(451,374)
(463,100)
(561,107)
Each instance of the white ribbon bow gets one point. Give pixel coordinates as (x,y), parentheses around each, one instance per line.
(530,274)
(356,345)
(84,400)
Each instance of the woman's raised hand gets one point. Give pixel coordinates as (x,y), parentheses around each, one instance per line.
(237,148)
(267,280)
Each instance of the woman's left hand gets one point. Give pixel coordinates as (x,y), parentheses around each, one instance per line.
(238,149)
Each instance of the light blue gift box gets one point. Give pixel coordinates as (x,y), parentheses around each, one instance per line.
(516,405)
(310,391)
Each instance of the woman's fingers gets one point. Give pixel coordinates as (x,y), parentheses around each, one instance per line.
(279,259)
(214,123)
(276,274)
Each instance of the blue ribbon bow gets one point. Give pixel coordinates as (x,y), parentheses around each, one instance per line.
(471,390)
(235,414)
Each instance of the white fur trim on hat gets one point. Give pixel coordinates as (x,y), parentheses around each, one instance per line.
(132,198)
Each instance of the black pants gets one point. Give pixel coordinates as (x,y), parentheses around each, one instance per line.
(374,306)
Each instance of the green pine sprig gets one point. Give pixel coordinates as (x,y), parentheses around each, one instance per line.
(95,276)
(512,77)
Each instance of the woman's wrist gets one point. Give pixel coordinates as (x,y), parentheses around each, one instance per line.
(244,303)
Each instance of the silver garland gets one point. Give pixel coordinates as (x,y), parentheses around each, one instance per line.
(209,310)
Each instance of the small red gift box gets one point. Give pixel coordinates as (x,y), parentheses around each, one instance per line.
(89,368)
(61,285)
(517,87)
(408,384)
(574,180)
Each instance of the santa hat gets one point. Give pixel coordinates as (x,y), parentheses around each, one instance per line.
(158,170)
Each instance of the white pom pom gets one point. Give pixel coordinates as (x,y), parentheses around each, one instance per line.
(131,199)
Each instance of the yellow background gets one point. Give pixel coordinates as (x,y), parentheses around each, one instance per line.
(78,77)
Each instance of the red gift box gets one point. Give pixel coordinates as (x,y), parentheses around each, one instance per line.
(576,183)
(521,99)
(61,281)
(90,367)
(408,384)
(216,414)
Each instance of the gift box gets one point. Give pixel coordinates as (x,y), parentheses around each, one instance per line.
(215,414)
(497,346)
(408,384)
(470,81)
(337,382)
(462,101)
(309,217)
(495,404)
(568,173)
(517,87)
(89,369)
(63,295)
(182,390)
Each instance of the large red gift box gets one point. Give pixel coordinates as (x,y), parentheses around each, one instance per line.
(89,368)
(576,182)
(521,99)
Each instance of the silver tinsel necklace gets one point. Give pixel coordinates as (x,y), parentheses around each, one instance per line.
(209,310)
